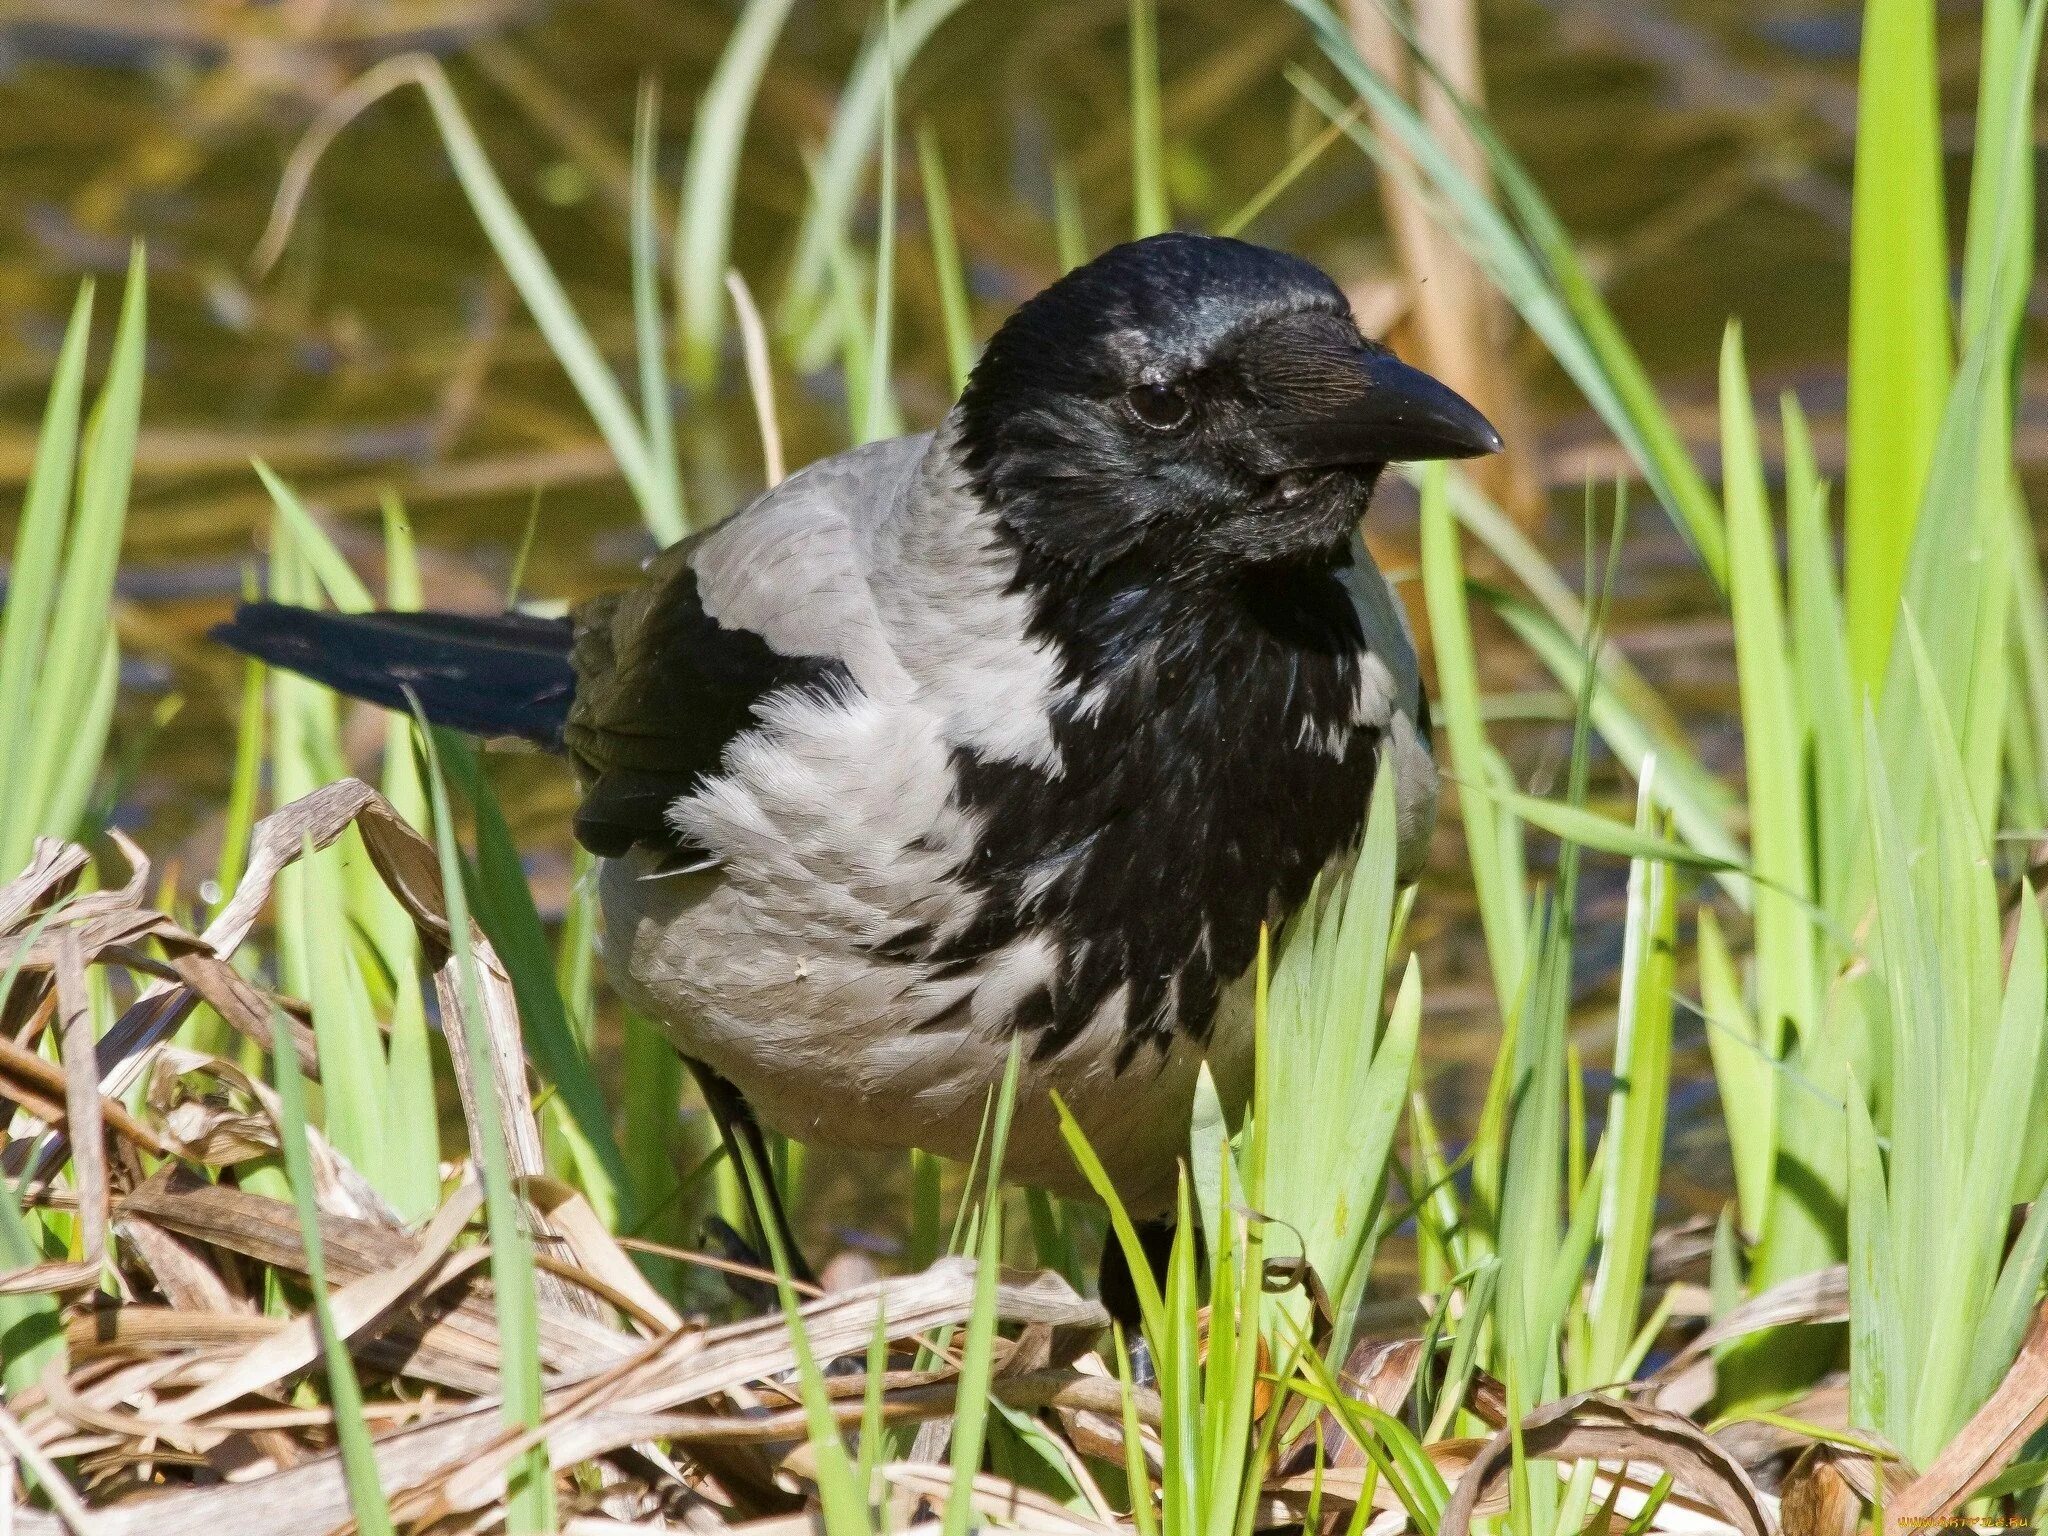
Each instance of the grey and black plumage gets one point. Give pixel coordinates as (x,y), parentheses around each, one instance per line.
(1023,726)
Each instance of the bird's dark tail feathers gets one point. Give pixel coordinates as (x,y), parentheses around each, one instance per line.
(487,675)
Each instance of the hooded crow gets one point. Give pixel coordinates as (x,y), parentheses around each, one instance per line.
(1018,728)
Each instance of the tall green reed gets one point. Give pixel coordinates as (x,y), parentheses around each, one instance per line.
(59,659)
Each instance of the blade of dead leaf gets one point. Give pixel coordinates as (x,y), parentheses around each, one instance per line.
(53,870)
(82,1098)
(456,1345)
(1381,1372)
(1590,1427)
(409,869)
(1819,1297)
(72,1515)
(318,818)
(996,1500)
(1987,1444)
(1825,1492)
(340,1188)
(355,1306)
(162,1007)
(1335,1489)
(682,1369)
(1774,1437)
(34,1072)
(927,1396)
(187,1281)
(245,1006)
(38,892)
(573,1438)
(595,1249)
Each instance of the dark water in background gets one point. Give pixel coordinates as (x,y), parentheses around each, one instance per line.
(1698,148)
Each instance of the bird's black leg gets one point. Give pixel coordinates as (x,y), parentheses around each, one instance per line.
(744,1143)
(1113,1283)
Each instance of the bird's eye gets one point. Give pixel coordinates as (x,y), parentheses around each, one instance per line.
(1161,407)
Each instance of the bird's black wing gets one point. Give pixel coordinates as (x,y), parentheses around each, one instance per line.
(662,688)
(644,689)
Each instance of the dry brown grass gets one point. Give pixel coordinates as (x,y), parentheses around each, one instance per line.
(186,1400)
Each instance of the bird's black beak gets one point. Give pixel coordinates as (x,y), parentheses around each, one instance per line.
(1386,413)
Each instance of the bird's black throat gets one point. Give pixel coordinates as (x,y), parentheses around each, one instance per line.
(1209,770)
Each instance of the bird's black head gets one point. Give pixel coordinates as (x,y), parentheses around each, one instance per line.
(1199,405)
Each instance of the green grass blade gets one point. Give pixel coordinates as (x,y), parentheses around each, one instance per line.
(2004,190)
(81,755)
(652,1139)
(520,254)
(856,336)
(31,1326)
(1143,1516)
(1989,1040)
(1150,212)
(353,1084)
(1957,577)
(1825,689)
(386,1114)
(1502,902)
(2003,1326)
(1876,1344)
(33,574)
(412,1117)
(504,902)
(841,1498)
(1743,1072)
(1700,804)
(357,1101)
(955,314)
(531,1489)
(1577,827)
(1151,1304)
(977,1354)
(650,329)
(841,169)
(345,1392)
(872,1444)
(1773,735)
(239,817)
(880,419)
(504,907)
(1069,219)
(1898,316)
(1997,1156)
(1543,281)
(1561,604)
(1209,1149)
(703,243)
(1928,1090)
(548,303)
(345,589)
(70,705)
(1345,1076)
(1635,1115)
(1297,166)
(1532,1194)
